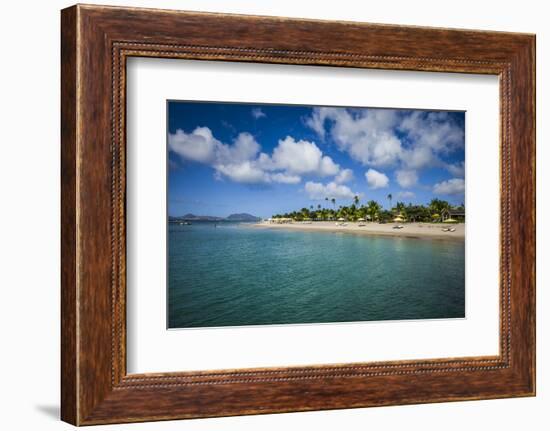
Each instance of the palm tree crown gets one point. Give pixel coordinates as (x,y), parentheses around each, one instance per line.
(373,211)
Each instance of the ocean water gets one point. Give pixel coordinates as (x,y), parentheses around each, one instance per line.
(235,274)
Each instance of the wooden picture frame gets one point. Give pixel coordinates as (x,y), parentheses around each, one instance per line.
(95,43)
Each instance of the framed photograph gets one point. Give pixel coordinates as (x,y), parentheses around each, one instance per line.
(267,215)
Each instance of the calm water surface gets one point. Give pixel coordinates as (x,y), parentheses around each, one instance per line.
(234,275)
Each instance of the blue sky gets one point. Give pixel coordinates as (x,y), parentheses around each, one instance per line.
(229,158)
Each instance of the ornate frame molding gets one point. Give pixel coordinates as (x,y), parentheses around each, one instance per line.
(96,41)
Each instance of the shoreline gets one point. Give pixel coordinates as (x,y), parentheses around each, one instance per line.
(409,230)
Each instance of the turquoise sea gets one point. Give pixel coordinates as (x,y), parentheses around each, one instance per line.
(235,274)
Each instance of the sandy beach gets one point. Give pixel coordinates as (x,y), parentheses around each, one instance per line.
(409,230)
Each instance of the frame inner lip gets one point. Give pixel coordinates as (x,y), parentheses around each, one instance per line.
(189,52)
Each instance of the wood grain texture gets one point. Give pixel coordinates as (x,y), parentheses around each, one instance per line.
(69,397)
(96,41)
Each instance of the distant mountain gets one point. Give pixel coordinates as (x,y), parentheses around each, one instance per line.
(232,217)
(242,217)
(190,217)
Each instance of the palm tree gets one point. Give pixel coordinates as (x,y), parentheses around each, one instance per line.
(436,207)
(400,210)
(356,200)
(390,198)
(362,211)
(400,207)
(373,208)
(343,212)
(352,212)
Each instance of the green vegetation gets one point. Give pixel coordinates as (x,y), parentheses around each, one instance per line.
(436,211)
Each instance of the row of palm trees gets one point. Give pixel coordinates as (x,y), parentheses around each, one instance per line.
(372,211)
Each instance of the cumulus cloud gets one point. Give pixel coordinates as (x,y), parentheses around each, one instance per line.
(301,157)
(244,172)
(319,191)
(344,176)
(243,162)
(406,178)
(201,146)
(367,137)
(456,169)
(244,149)
(389,137)
(454,186)
(198,146)
(316,121)
(405,194)
(285,178)
(376,180)
(258,113)
(433,132)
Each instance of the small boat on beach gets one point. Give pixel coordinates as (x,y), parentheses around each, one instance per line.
(448,229)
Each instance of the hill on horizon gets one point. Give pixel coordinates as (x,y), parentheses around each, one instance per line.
(231,217)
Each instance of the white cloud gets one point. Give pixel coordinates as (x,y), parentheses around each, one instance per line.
(243,162)
(419,157)
(405,194)
(433,134)
(457,169)
(344,176)
(368,137)
(433,130)
(258,113)
(389,137)
(454,186)
(244,148)
(376,180)
(328,167)
(285,178)
(198,146)
(406,178)
(244,172)
(302,157)
(319,191)
(317,121)
(201,146)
